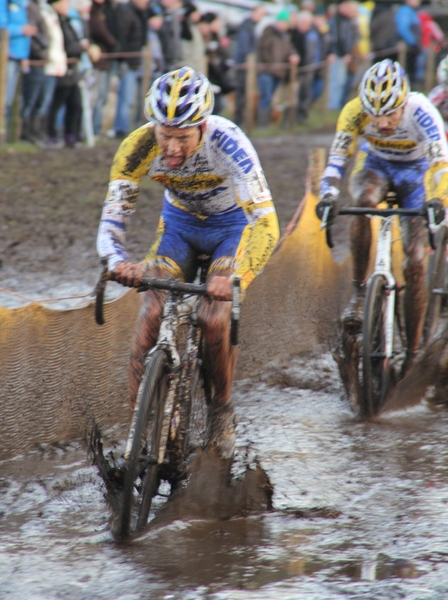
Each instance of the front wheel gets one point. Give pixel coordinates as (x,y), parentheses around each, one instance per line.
(142,477)
(375,363)
(200,398)
(436,285)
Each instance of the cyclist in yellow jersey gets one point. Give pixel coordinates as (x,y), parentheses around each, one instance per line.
(216,202)
(405,151)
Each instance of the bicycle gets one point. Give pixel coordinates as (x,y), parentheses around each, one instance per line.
(381,348)
(170,416)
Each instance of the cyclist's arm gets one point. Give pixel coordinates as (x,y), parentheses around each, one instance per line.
(131,161)
(432,132)
(253,195)
(351,122)
(262,238)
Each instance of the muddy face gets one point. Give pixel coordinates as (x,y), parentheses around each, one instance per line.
(178,145)
(387,124)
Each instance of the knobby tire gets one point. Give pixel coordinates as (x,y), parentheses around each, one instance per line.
(436,286)
(146,442)
(200,397)
(375,364)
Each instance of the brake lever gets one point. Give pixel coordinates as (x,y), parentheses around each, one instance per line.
(326,224)
(432,227)
(236,311)
(325,216)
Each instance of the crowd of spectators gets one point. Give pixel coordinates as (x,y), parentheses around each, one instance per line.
(63,55)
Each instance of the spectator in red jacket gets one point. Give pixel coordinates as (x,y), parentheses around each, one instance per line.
(430,32)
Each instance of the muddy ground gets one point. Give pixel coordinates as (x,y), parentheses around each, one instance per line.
(52,201)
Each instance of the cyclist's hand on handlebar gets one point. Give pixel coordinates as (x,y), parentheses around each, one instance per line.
(326,202)
(439,211)
(128,273)
(219,288)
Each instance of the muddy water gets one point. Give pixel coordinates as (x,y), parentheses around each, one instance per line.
(360,510)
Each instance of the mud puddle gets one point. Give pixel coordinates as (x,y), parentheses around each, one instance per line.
(359,510)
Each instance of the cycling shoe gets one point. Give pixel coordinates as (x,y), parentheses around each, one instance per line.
(221,428)
(352,317)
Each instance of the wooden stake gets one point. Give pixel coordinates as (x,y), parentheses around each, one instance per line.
(146,81)
(292,95)
(251,86)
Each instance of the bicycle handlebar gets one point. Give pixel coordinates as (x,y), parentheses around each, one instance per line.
(100,289)
(170,285)
(426,213)
(383,212)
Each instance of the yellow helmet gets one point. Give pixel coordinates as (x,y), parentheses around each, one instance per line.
(384,88)
(180,98)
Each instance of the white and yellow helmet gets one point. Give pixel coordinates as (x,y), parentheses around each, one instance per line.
(442,72)
(384,88)
(180,98)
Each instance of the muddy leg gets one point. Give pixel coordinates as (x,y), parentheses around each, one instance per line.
(416,294)
(367,189)
(146,331)
(219,361)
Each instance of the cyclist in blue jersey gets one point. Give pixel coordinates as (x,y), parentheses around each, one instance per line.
(405,150)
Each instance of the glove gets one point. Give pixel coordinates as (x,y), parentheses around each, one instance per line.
(128,273)
(326,202)
(438,208)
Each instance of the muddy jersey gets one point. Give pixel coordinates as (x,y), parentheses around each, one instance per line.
(439,97)
(224,175)
(420,135)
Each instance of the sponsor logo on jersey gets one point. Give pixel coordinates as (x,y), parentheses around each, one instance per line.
(230,146)
(388,144)
(435,152)
(427,123)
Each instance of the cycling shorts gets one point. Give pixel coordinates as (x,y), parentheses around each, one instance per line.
(182,236)
(406,179)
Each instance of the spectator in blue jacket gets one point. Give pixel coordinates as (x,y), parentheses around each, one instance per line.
(20,34)
(409,30)
(3,14)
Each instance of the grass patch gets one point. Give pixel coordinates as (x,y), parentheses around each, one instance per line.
(19,147)
(320,120)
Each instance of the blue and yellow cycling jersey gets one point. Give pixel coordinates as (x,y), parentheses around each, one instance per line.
(420,136)
(223,177)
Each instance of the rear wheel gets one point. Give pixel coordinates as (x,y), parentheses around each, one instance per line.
(375,363)
(436,286)
(142,477)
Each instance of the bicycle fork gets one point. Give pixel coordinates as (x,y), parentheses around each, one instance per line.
(383,266)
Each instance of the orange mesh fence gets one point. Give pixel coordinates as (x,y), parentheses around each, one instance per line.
(59,369)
